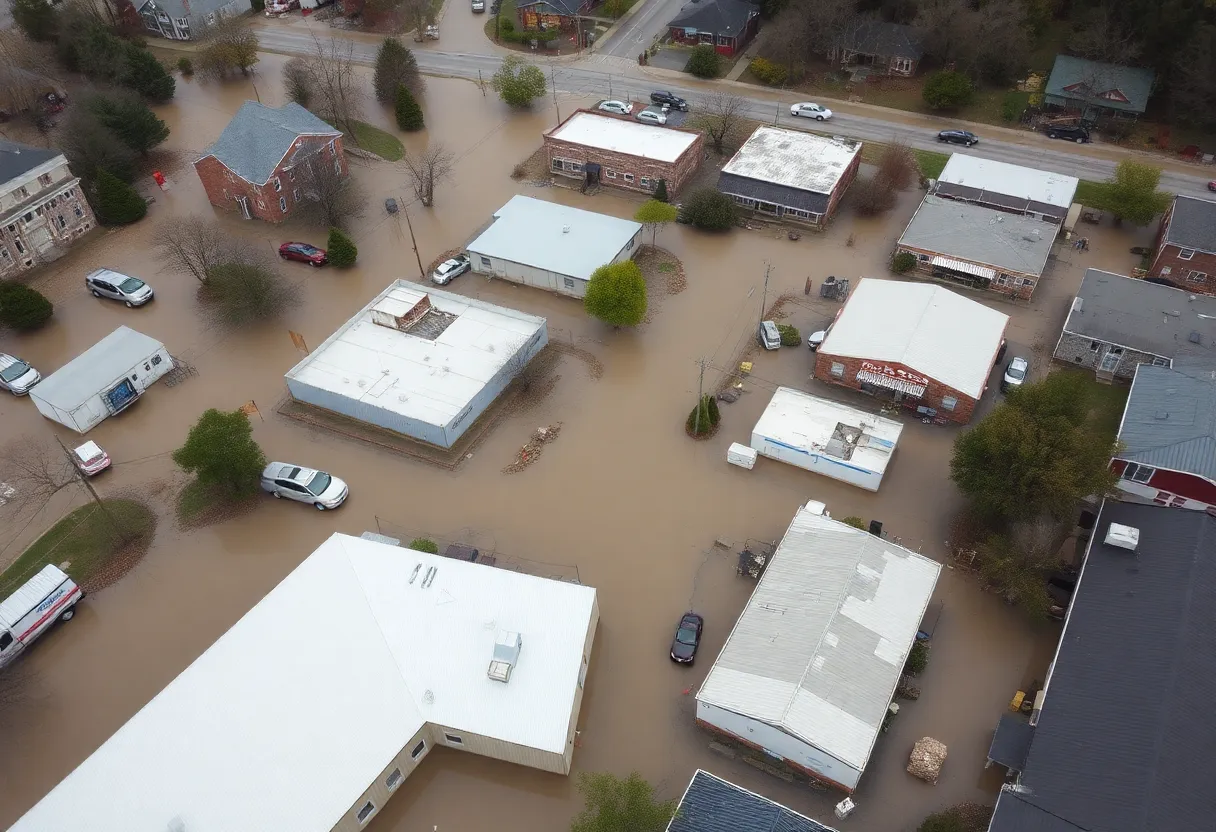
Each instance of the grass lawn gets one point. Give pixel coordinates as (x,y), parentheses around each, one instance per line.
(199,505)
(506,12)
(1107,401)
(1089,193)
(86,539)
(373,139)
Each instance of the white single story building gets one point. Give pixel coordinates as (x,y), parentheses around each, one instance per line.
(826,437)
(311,711)
(105,379)
(551,246)
(1042,194)
(418,361)
(811,666)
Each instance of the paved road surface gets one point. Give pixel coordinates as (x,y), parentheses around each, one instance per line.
(603,76)
(638,32)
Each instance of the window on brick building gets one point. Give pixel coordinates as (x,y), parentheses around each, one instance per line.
(629,177)
(282,203)
(645,183)
(45,180)
(79,212)
(338,166)
(19,245)
(612,174)
(1196,277)
(837,369)
(62,222)
(1138,473)
(949,402)
(4,255)
(278,186)
(1186,254)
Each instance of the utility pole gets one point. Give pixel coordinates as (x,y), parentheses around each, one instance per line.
(764,296)
(700,395)
(610,86)
(481,84)
(553,86)
(413,240)
(83,480)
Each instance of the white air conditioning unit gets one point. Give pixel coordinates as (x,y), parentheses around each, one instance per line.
(1124,537)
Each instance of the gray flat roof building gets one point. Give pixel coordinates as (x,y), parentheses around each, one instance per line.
(994,242)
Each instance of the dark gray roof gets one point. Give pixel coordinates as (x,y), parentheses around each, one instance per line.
(1099,84)
(966,193)
(258,137)
(183,8)
(16,159)
(1170,419)
(1192,224)
(729,183)
(1125,739)
(888,40)
(722,17)
(1011,741)
(569,8)
(713,805)
(1143,316)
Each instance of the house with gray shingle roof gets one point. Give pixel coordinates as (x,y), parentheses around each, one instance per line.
(268,160)
(1097,89)
(1168,436)
(1186,246)
(886,48)
(711,804)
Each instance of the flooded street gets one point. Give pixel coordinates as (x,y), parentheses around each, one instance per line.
(622,496)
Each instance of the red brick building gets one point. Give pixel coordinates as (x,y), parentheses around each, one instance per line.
(598,148)
(922,346)
(267,161)
(562,14)
(726,25)
(1185,256)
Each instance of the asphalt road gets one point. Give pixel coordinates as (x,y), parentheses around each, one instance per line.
(607,76)
(638,32)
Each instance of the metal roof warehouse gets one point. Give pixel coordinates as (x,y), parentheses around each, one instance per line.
(1040,190)
(323,698)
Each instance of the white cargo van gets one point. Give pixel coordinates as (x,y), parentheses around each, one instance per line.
(47,597)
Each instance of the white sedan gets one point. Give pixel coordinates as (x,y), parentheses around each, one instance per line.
(652,116)
(808,110)
(448,270)
(295,482)
(621,108)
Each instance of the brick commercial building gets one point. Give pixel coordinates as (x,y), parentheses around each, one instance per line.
(1186,246)
(597,148)
(267,161)
(922,346)
(42,207)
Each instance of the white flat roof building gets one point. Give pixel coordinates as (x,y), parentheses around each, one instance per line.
(419,361)
(812,663)
(794,158)
(621,135)
(928,329)
(826,437)
(325,695)
(551,246)
(1017,181)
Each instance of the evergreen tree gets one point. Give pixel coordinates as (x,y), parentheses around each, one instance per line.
(409,114)
(660,192)
(341,249)
(116,202)
(36,18)
(23,308)
(144,74)
(130,119)
(395,67)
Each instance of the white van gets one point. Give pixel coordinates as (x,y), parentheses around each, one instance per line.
(29,612)
(770,337)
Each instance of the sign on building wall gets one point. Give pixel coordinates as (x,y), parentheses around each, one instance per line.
(894,372)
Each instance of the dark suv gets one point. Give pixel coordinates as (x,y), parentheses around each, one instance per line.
(1073,134)
(671,100)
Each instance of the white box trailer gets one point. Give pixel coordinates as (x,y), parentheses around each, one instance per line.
(29,612)
(105,379)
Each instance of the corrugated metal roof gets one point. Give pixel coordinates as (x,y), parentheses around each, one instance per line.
(711,804)
(927,328)
(964,231)
(286,720)
(1192,224)
(822,642)
(1170,419)
(961,266)
(793,158)
(1023,183)
(100,365)
(554,237)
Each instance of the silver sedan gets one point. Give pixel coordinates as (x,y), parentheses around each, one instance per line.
(306,485)
(132,291)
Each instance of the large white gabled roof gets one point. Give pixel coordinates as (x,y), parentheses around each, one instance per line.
(623,135)
(822,642)
(927,328)
(288,718)
(1010,180)
(100,365)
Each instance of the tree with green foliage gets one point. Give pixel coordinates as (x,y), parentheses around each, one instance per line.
(704,418)
(790,336)
(341,249)
(185,66)
(654,215)
(221,453)
(146,75)
(965,817)
(90,146)
(36,18)
(424,544)
(704,62)
(854,521)
(23,308)
(409,114)
(903,262)
(1038,453)
(660,191)
(128,117)
(710,210)
(517,82)
(947,90)
(616,294)
(115,202)
(613,804)
(396,67)
(1131,194)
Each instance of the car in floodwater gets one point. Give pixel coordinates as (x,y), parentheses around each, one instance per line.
(688,638)
(106,283)
(17,376)
(305,485)
(91,459)
(1015,373)
(304,253)
(449,270)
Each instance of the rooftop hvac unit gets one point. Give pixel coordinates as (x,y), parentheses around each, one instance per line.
(1125,537)
(506,654)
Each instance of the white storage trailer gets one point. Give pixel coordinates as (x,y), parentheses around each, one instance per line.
(105,379)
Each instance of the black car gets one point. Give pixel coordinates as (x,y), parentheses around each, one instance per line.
(671,100)
(688,638)
(1073,134)
(958,137)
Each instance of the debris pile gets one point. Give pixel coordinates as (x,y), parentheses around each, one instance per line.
(927,758)
(530,452)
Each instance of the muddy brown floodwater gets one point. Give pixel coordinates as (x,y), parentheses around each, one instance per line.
(622,497)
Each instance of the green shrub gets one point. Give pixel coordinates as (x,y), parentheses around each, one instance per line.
(704,62)
(116,202)
(767,72)
(660,191)
(903,262)
(616,294)
(789,336)
(709,209)
(341,249)
(505,25)
(1013,104)
(185,66)
(703,418)
(423,544)
(855,521)
(23,308)
(257,5)
(918,658)
(947,90)
(409,114)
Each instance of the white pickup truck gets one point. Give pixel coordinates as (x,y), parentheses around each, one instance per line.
(47,597)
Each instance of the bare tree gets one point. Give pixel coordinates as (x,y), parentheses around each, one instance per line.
(872,195)
(248,291)
(40,469)
(947,30)
(331,199)
(196,246)
(1099,37)
(721,116)
(898,165)
(22,85)
(297,78)
(429,168)
(336,83)
(415,15)
(227,46)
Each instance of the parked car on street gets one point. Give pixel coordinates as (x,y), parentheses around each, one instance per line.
(652,116)
(769,336)
(965,137)
(16,376)
(47,597)
(307,485)
(91,459)
(662,97)
(1212,185)
(688,638)
(808,110)
(1077,134)
(479,6)
(815,339)
(1015,373)
(620,108)
(304,253)
(448,270)
(105,283)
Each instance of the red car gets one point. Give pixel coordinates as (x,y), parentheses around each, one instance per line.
(1212,186)
(303,252)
